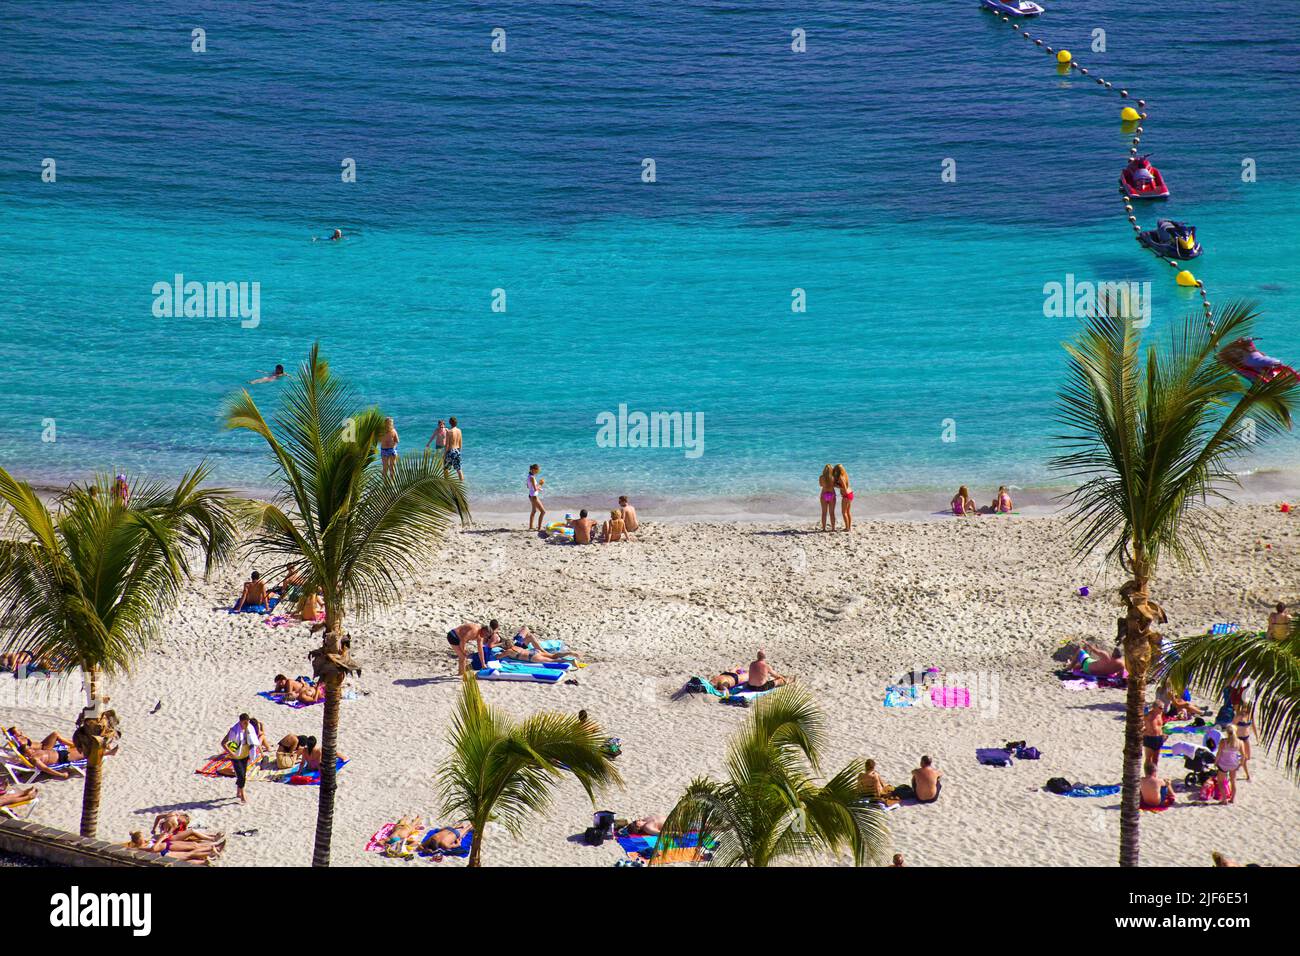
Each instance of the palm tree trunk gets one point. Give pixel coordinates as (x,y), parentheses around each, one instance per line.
(328,772)
(476,846)
(1137,659)
(94,764)
(329,736)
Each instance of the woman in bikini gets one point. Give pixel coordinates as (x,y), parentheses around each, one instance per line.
(311,609)
(1002,503)
(177,826)
(1245,721)
(827,483)
(174,849)
(840,477)
(497,646)
(54,750)
(1229,760)
(388,447)
(871,784)
(614,529)
(534,483)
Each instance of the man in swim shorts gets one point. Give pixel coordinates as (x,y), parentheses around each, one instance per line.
(1153,737)
(454,442)
(926,781)
(761,676)
(460,639)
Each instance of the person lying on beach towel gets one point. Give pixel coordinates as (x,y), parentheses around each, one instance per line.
(400,840)
(198,852)
(492,646)
(177,826)
(1156,793)
(648,825)
(299,691)
(761,677)
(1095,662)
(446,840)
(926,781)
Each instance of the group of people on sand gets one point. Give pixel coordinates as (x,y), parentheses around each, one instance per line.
(927,783)
(835,480)
(758,676)
(173,837)
(245,744)
(963,506)
(490,645)
(620,525)
(401,839)
(255,595)
(1228,740)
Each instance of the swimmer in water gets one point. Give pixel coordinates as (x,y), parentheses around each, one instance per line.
(278,373)
(334,236)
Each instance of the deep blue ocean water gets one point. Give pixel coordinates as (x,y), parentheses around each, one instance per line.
(522,171)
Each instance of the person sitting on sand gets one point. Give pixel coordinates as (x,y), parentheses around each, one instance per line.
(311,609)
(312,755)
(1002,503)
(615,529)
(295,748)
(1279,622)
(962,504)
(1154,791)
(1095,662)
(254,593)
(761,676)
(177,825)
(299,691)
(174,849)
(445,839)
(9,798)
(870,784)
(629,514)
(270,376)
(1177,706)
(291,587)
(584,528)
(55,749)
(926,781)
(647,826)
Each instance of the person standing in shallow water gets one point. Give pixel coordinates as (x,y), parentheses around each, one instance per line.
(438,440)
(388,447)
(454,441)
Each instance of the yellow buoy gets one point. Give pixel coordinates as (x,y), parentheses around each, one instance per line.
(1129,115)
(1185,278)
(1063,56)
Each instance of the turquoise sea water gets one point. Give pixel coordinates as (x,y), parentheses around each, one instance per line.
(522,171)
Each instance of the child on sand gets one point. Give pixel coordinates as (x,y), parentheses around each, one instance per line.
(962,504)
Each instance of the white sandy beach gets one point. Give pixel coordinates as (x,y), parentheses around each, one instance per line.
(988,597)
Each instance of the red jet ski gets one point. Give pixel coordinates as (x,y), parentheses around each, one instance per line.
(1244,358)
(1141,180)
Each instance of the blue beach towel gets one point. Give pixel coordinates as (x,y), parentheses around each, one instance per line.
(313,776)
(466,843)
(1100,790)
(904,696)
(646,845)
(993,756)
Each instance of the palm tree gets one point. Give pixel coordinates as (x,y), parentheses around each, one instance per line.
(88,583)
(1273,666)
(355,532)
(770,806)
(1152,440)
(501,770)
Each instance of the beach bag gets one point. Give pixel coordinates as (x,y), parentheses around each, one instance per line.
(613,747)
(904,792)
(593,836)
(285,761)
(1058,785)
(603,820)
(1027,753)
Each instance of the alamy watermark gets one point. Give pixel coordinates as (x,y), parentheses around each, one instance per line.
(214,300)
(1081,298)
(651,430)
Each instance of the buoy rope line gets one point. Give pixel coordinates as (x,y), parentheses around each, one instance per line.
(1065,59)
